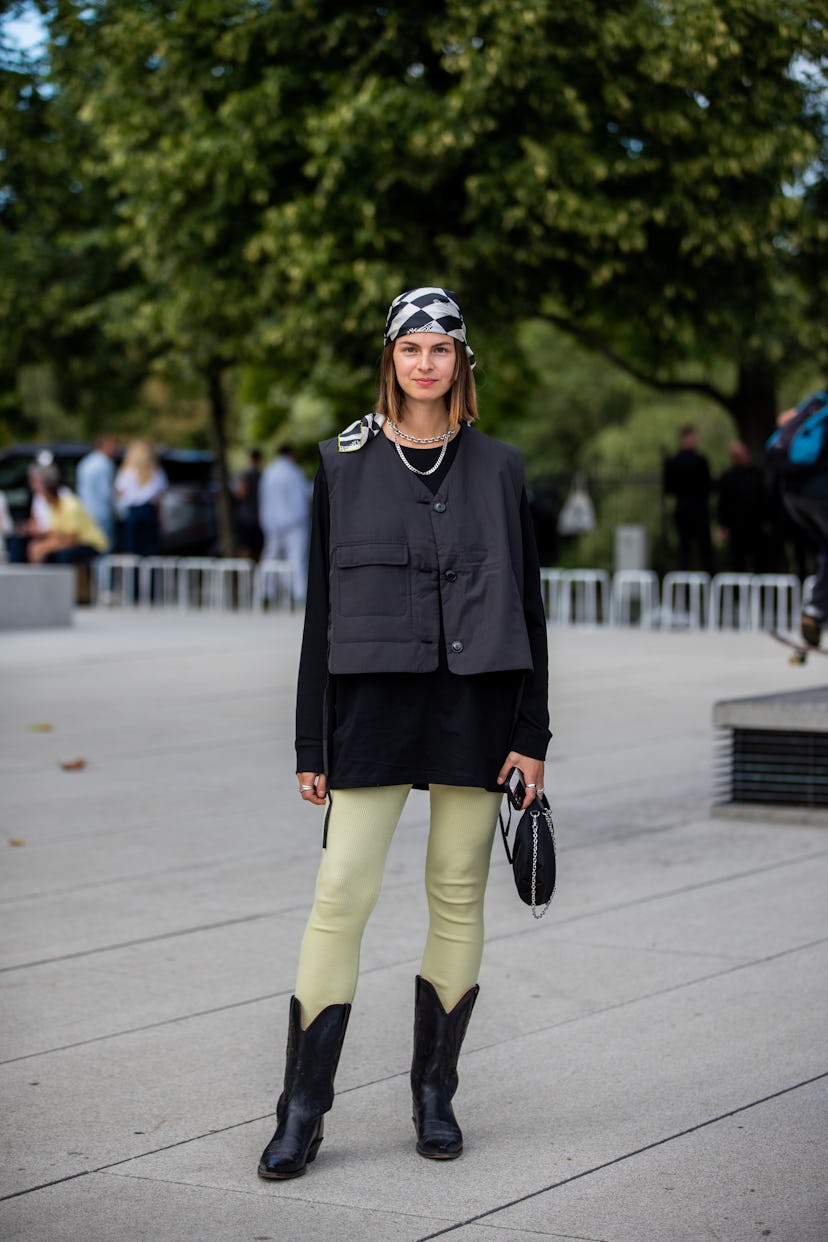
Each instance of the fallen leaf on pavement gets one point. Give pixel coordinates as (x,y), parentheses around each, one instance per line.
(41,727)
(16,841)
(73,765)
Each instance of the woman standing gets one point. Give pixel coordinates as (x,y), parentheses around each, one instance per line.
(423,664)
(138,487)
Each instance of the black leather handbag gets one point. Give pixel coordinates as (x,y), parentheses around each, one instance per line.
(532,856)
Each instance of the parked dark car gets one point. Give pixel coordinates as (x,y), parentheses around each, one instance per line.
(187,510)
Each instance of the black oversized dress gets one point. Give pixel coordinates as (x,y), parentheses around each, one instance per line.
(416,728)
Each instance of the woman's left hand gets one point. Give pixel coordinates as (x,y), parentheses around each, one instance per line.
(532,770)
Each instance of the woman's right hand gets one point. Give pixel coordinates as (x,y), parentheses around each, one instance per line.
(313,787)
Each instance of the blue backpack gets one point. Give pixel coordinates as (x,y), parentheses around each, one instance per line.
(800,446)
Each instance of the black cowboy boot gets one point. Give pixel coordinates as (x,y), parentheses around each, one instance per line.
(311,1061)
(438,1037)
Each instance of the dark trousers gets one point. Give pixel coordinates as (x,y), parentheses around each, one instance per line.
(747,552)
(693,530)
(78,555)
(141,531)
(17,549)
(18,545)
(812,514)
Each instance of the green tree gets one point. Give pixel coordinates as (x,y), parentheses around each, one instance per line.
(56,256)
(146,84)
(645,175)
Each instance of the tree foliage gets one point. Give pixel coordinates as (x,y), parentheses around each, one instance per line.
(57,252)
(648,175)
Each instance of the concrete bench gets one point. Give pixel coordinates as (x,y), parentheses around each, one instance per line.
(36,596)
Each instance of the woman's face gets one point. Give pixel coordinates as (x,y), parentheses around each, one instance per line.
(425,364)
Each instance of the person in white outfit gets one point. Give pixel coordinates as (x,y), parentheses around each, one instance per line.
(284,516)
(40,518)
(138,488)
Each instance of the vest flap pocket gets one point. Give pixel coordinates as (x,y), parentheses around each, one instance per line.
(371,580)
(351,555)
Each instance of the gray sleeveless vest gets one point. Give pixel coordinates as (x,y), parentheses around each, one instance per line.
(402,558)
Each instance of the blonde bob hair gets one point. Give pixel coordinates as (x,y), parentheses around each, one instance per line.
(461,399)
(141,458)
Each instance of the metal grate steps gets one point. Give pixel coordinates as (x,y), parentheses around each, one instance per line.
(772,750)
(774,767)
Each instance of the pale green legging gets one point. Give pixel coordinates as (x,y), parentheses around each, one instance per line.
(361,823)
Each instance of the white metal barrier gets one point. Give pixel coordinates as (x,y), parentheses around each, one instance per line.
(195,581)
(684,597)
(232,583)
(570,596)
(775,601)
(632,587)
(551,592)
(157,577)
(116,579)
(586,596)
(273,581)
(729,602)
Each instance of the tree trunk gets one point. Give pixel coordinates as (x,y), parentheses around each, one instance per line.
(753,405)
(218,439)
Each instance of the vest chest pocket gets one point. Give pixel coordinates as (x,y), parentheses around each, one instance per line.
(371,580)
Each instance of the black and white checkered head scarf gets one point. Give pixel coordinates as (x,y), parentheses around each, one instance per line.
(427,310)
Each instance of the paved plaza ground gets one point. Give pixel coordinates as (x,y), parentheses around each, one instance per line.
(649,1063)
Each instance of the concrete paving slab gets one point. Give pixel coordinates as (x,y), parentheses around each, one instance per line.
(630,867)
(638,1009)
(164,1032)
(179,894)
(542,1107)
(104,1206)
(144,985)
(226,961)
(761,912)
(762,1170)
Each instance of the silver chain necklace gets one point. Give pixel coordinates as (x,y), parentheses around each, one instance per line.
(398,431)
(445,437)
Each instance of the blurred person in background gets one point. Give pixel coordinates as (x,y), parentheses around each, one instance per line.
(687,478)
(743,512)
(805,495)
(39,520)
(6,524)
(73,536)
(249,538)
(40,516)
(95,484)
(138,487)
(284,516)
(545,504)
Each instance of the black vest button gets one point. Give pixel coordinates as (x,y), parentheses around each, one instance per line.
(457,646)
(451,574)
(439,507)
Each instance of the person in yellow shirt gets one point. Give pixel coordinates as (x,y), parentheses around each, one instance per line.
(73,536)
